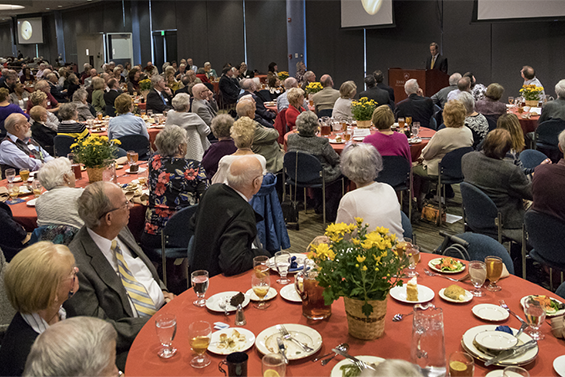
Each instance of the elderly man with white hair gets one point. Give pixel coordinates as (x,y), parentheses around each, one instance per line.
(204,104)
(282,100)
(225,230)
(555,109)
(249,87)
(18,150)
(420,108)
(159,98)
(440,98)
(325,98)
(41,70)
(309,77)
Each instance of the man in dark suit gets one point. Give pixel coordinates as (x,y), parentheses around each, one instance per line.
(56,92)
(228,87)
(435,60)
(555,109)
(267,116)
(380,96)
(224,224)
(105,253)
(111,95)
(379,77)
(159,98)
(8,81)
(417,106)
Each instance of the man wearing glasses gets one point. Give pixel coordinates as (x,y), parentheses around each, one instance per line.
(118,282)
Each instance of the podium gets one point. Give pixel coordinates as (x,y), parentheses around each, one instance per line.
(429,80)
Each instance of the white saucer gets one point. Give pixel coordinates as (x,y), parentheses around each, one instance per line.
(425,294)
(269,296)
(213,302)
(140,170)
(288,292)
(337,372)
(490,312)
(468,297)
(559,365)
(31,203)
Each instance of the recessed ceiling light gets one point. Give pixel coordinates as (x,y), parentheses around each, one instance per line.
(10,7)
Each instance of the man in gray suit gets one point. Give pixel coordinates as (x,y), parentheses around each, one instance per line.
(440,98)
(204,104)
(325,98)
(107,257)
(555,109)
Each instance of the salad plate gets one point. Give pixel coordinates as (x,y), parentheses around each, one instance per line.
(446,265)
(551,305)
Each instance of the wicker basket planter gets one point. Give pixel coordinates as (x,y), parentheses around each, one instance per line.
(95,173)
(359,325)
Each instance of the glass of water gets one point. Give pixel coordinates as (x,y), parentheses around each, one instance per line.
(166,327)
(535,315)
(478,274)
(199,281)
(415,129)
(282,262)
(10,175)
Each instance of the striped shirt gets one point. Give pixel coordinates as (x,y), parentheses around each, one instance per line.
(72,128)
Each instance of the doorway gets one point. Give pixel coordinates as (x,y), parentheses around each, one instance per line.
(165,47)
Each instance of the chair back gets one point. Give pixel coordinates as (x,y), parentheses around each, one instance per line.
(110,110)
(491,123)
(303,168)
(545,234)
(531,158)
(62,145)
(481,246)
(450,165)
(396,172)
(406,225)
(176,232)
(325,113)
(480,211)
(547,132)
(280,125)
(137,143)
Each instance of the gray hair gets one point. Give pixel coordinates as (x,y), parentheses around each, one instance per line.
(307,123)
(411,86)
(468,101)
(361,163)
(560,89)
(79,346)
(169,139)
(248,85)
(221,125)
(52,174)
(93,204)
(309,74)
(454,78)
(181,102)
(67,111)
(290,82)
(155,79)
(245,105)
(562,141)
(80,95)
(12,120)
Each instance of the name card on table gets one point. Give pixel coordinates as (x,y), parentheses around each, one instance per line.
(361,132)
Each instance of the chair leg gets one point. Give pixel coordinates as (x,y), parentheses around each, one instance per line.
(410,206)
(163,258)
(324,200)
(551,279)
(438,193)
(187,275)
(305,202)
(524,251)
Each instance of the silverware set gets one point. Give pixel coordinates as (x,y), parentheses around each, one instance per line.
(464,278)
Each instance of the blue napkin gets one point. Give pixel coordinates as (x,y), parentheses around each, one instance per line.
(505,329)
(15,201)
(294,265)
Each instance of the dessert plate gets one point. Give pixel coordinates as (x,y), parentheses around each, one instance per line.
(490,312)
(425,294)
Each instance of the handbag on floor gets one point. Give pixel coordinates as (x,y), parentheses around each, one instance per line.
(430,212)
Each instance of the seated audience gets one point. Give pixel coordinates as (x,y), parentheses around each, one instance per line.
(478,90)
(7,108)
(20,96)
(228,86)
(210,72)
(201,74)
(555,109)
(18,150)
(38,280)
(300,72)
(57,206)
(309,77)
(56,92)
(27,76)
(295,98)
(440,98)
(13,236)
(170,80)
(373,92)
(69,125)
(196,130)
(282,100)
(420,108)
(529,76)
(476,122)
(174,182)
(83,107)
(133,80)
(307,141)
(342,106)
(379,76)
(39,131)
(490,106)
(463,85)
(98,86)
(125,123)
(263,115)
(85,346)
(361,163)
(225,224)
(111,95)
(97,246)
(204,105)
(39,98)
(504,183)
(88,80)
(274,85)
(74,85)
(388,142)
(221,126)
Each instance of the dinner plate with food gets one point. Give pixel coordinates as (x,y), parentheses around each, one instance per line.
(552,306)
(412,293)
(266,341)
(235,339)
(348,368)
(455,294)
(216,302)
(446,265)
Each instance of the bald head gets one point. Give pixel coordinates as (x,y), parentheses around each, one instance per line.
(326,81)
(290,82)
(246,175)
(246,107)
(198,89)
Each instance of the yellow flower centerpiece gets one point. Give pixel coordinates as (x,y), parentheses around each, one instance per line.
(283,75)
(95,152)
(145,84)
(361,267)
(313,87)
(362,111)
(531,93)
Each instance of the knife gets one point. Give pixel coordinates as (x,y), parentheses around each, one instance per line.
(513,352)
(282,349)
(361,364)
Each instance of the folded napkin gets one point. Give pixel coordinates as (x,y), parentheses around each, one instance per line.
(505,329)
(137,199)
(558,327)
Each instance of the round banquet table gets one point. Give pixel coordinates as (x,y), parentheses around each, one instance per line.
(415,149)
(527,124)
(395,343)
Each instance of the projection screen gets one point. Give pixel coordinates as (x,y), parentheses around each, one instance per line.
(366,13)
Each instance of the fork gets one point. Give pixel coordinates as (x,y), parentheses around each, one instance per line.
(287,336)
(429,273)
(504,306)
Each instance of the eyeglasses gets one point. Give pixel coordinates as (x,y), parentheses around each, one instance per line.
(73,276)
(126,204)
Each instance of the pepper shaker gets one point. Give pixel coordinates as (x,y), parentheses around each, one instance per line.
(240,317)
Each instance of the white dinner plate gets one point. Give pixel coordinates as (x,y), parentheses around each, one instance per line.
(334,141)
(140,170)
(425,294)
(490,312)
(433,262)
(495,373)
(266,341)
(558,313)
(496,340)
(269,296)
(31,203)
(300,258)
(559,365)
(239,345)
(469,346)
(468,297)
(337,372)
(414,141)
(288,292)
(359,138)
(213,303)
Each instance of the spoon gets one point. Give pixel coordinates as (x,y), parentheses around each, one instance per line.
(327,354)
(399,317)
(223,304)
(342,347)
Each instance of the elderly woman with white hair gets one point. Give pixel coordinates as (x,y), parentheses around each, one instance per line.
(295,98)
(83,108)
(197,130)
(38,280)
(57,205)
(476,122)
(69,125)
(362,163)
(85,346)
(307,141)
(210,72)
(342,106)
(174,182)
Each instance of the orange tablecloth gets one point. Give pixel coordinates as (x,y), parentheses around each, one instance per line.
(528,125)
(415,149)
(458,318)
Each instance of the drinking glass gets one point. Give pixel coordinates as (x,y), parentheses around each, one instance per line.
(36,187)
(401,123)
(24,175)
(427,349)
(14,191)
(515,372)
(261,283)
(273,365)
(261,261)
(415,129)
(282,262)
(494,270)
(99,115)
(511,100)
(413,254)
(199,334)
(402,246)
(166,328)
(10,175)
(535,315)
(199,281)
(461,364)
(149,113)
(408,121)
(478,273)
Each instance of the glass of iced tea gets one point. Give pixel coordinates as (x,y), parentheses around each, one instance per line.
(401,123)
(461,364)
(494,271)
(24,175)
(36,187)
(313,305)
(99,115)
(199,334)
(413,254)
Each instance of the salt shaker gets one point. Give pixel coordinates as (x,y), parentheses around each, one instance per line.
(240,317)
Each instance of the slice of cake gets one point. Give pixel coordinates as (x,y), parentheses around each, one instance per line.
(412,290)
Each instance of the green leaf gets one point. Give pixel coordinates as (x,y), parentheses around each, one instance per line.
(367,309)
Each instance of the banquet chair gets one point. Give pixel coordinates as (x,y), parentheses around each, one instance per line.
(58,234)
(397,172)
(281,126)
(406,226)
(62,145)
(438,116)
(545,234)
(531,158)
(546,138)
(137,143)
(481,246)
(561,290)
(325,113)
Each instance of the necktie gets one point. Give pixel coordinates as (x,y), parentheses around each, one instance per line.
(163,98)
(136,291)
(433,62)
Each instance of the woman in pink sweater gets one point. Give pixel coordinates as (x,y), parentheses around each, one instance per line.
(388,142)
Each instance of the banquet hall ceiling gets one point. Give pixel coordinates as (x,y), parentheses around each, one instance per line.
(39,6)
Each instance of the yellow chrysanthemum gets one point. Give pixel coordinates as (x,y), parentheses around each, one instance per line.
(359,220)
(382,230)
(364,268)
(361,258)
